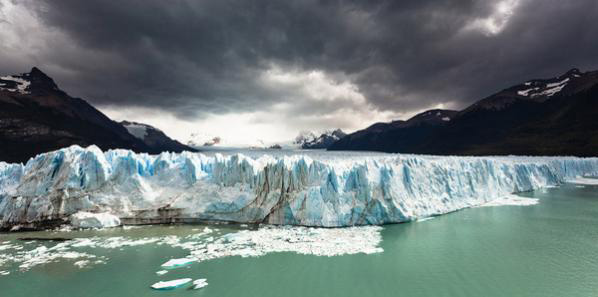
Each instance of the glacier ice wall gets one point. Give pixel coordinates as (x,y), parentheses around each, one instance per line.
(297,189)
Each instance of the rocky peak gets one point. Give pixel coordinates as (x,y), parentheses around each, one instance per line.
(573,72)
(40,82)
(34,82)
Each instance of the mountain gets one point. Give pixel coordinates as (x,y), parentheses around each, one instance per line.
(36,117)
(202,140)
(555,116)
(310,140)
(376,137)
(154,138)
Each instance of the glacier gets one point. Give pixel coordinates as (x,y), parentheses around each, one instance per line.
(324,190)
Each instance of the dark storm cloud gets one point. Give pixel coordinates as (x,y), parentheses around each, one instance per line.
(194,57)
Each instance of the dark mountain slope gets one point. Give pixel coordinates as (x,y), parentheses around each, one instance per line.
(36,116)
(397,136)
(155,138)
(540,117)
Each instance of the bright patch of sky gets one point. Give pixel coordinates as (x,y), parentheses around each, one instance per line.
(273,125)
(496,22)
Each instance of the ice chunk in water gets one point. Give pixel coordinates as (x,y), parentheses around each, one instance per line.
(81,263)
(200,283)
(174,263)
(161,272)
(170,285)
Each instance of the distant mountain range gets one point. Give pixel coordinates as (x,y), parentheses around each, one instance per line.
(556,116)
(313,140)
(36,117)
(305,140)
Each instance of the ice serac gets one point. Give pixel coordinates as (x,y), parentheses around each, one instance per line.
(326,190)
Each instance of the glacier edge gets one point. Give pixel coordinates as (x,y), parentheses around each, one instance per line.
(297,190)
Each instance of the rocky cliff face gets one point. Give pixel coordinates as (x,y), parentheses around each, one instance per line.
(330,190)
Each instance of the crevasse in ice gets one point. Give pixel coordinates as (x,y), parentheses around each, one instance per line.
(342,190)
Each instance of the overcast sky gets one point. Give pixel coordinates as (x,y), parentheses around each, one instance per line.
(247,70)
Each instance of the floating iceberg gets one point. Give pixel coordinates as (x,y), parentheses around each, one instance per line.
(83,219)
(330,189)
(199,283)
(161,272)
(425,219)
(81,263)
(175,263)
(170,285)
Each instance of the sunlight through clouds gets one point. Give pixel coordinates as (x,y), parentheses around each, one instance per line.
(498,20)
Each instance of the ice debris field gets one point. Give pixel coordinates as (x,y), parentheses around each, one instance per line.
(201,245)
(90,188)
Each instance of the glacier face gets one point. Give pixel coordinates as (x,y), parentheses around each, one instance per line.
(330,189)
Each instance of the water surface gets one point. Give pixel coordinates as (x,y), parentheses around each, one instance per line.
(549,249)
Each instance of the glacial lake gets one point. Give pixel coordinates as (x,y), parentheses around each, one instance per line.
(548,249)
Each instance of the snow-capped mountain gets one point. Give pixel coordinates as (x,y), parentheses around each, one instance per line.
(34,83)
(313,140)
(36,117)
(555,116)
(154,137)
(539,90)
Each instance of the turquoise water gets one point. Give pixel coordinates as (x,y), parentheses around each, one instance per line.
(549,249)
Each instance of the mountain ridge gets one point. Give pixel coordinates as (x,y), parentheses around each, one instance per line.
(36,117)
(551,116)
(154,137)
(311,140)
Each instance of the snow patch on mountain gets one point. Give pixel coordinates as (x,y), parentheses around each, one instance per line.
(527,91)
(136,129)
(541,89)
(14,83)
(552,89)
